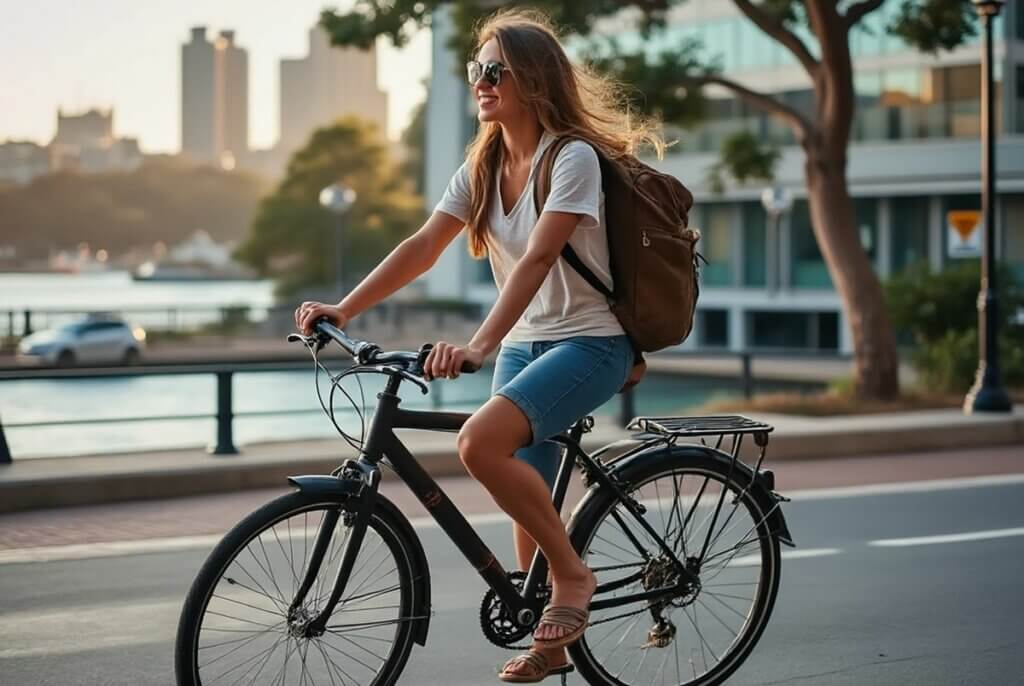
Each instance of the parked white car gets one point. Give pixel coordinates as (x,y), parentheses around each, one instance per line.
(86,341)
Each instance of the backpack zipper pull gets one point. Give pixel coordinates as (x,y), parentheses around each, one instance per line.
(645,240)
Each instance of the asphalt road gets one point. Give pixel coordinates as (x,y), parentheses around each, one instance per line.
(849,611)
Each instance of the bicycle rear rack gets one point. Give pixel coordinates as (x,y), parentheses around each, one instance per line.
(736,426)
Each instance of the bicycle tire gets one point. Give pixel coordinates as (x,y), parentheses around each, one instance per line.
(383,522)
(634,477)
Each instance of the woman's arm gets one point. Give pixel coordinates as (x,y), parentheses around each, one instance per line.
(413,256)
(547,239)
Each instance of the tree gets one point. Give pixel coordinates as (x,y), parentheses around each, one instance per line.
(293,236)
(414,140)
(823,131)
(165,199)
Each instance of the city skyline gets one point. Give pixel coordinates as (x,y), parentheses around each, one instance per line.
(127,57)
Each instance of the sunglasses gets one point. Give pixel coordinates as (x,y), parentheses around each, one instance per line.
(490,72)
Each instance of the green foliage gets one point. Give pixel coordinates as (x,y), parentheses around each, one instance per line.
(745,159)
(933,25)
(939,313)
(414,138)
(293,236)
(163,200)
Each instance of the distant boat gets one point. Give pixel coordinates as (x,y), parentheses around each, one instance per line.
(183,271)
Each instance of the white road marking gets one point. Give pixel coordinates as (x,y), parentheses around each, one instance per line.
(754,560)
(81,551)
(949,538)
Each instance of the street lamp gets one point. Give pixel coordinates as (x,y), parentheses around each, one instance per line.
(987,393)
(776,201)
(338,199)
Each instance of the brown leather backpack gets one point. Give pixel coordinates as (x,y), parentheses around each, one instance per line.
(652,252)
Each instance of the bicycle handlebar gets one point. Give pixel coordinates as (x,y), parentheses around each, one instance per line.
(370,353)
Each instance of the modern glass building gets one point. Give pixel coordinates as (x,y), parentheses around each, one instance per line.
(914,157)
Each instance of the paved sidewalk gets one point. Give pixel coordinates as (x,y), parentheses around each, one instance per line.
(198,515)
(67,481)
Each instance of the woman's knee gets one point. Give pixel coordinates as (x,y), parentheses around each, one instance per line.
(494,432)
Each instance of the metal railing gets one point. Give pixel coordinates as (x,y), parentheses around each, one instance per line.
(225,411)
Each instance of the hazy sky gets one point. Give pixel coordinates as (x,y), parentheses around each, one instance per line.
(127,54)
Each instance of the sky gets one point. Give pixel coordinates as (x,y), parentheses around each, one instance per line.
(126,54)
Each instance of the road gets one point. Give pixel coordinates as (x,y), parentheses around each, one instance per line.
(939,602)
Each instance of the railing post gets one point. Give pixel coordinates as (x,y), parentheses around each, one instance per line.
(225,416)
(5,452)
(626,407)
(27,329)
(748,377)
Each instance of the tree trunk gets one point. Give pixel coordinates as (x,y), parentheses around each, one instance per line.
(875,362)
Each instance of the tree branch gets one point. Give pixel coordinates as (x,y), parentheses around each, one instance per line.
(775,28)
(860,10)
(802,127)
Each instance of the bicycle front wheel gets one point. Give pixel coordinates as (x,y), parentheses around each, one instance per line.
(236,627)
(692,637)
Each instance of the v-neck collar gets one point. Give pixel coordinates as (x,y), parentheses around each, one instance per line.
(545,140)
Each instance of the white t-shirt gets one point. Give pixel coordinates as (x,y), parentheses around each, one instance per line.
(565,305)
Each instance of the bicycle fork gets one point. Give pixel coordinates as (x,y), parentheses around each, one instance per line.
(316,626)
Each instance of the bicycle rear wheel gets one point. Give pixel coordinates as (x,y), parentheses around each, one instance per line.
(236,628)
(697,637)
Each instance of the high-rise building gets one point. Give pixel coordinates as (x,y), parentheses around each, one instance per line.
(330,82)
(85,142)
(914,158)
(214,98)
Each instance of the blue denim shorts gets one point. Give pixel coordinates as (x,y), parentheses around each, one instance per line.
(555,383)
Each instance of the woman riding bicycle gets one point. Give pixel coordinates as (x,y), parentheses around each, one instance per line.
(562,351)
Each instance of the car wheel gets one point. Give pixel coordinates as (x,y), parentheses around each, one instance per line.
(131,356)
(66,358)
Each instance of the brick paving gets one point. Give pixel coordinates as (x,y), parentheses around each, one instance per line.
(214,514)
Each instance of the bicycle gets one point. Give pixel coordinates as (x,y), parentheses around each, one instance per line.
(352,592)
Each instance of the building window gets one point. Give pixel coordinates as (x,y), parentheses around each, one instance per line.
(807,267)
(909,233)
(755,255)
(713,328)
(865,212)
(716,245)
(1013,234)
(795,330)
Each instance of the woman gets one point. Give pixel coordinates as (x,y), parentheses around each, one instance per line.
(563,353)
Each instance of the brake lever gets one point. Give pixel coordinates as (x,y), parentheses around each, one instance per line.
(406,375)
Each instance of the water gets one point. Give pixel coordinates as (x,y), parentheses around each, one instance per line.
(115,290)
(73,399)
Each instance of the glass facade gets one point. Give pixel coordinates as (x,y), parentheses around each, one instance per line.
(788,330)
(755,252)
(713,328)
(1013,235)
(909,231)
(716,244)
(807,267)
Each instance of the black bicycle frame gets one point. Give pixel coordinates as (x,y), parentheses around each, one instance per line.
(382,442)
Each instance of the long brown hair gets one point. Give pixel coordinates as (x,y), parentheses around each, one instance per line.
(568,100)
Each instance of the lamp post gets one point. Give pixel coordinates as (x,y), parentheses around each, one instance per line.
(338,198)
(987,393)
(776,201)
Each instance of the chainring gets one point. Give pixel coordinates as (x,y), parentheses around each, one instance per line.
(498,624)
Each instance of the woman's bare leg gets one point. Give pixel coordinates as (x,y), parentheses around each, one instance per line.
(486,445)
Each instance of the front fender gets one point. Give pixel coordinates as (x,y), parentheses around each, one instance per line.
(761,483)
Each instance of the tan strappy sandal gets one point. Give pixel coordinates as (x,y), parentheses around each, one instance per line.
(573,619)
(538,669)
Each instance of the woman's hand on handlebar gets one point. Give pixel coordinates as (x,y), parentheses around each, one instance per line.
(307,314)
(445,361)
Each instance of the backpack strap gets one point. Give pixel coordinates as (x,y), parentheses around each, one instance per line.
(541,190)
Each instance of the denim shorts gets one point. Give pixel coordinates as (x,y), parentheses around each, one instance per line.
(555,383)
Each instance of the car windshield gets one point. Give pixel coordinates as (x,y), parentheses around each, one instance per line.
(72,328)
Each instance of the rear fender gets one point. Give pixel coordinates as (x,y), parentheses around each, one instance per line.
(349,489)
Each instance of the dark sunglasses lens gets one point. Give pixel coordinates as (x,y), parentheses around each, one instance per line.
(492,72)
